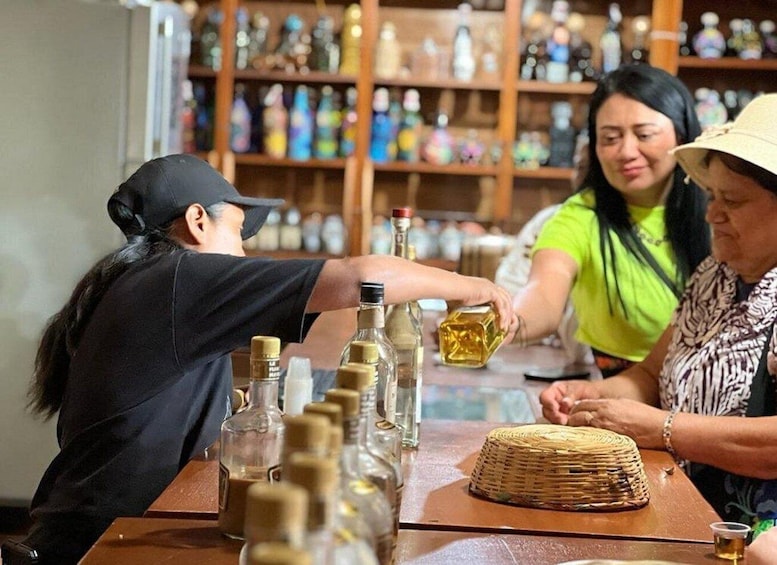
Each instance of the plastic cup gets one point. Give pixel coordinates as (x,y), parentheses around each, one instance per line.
(730,539)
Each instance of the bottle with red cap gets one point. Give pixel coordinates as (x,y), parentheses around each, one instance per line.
(404,332)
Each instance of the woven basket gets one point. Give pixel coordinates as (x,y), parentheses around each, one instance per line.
(560,468)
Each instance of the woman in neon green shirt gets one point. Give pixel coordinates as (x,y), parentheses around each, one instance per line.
(623,246)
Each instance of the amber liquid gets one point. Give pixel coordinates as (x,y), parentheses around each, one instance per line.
(729,548)
(469,336)
(232,506)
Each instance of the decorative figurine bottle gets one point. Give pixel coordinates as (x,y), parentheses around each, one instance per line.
(388,52)
(327,126)
(562,136)
(558,43)
(581,65)
(275,120)
(709,42)
(469,336)
(240,122)
(751,40)
(300,126)
(463,58)
(350,40)
(348,124)
(381,126)
(251,440)
(411,124)
(610,41)
(438,147)
(405,334)
(257,45)
(210,44)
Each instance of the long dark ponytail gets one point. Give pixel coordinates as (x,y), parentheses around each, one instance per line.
(64,329)
(685,205)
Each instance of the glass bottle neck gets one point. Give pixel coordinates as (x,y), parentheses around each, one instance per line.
(263,393)
(370,316)
(400,238)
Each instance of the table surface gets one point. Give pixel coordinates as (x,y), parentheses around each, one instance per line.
(436,495)
(130,541)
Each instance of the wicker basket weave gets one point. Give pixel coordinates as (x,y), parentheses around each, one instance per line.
(560,468)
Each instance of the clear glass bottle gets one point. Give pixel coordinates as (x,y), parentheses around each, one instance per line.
(403,331)
(356,487)
(463,58)
(469,336)
(351,527)
(274,513)
(317,476)
(252,439)
(370,322)
(305,433)
(359,376)
(277,553)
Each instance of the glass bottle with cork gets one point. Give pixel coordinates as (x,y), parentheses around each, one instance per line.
(360,377)
(403,331)
(274,513)
(356,487)
(351,528)
(370,322)
(251,440)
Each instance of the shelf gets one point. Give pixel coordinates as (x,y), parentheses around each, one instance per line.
(450,84)
(562,88)
(259,159)
(312,77)
(728,64)
(201,71)
(452,169)
(545,173)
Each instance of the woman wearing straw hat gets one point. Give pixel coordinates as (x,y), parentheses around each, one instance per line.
(706,392)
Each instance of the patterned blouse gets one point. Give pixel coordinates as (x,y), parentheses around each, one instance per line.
(709,368)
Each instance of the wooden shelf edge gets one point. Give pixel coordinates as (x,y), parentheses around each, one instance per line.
(429,168)
(312,77)
(261,160)
(728,64)
(562,88)
(549,173)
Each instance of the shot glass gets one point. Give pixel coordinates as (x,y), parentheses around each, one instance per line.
(730,539)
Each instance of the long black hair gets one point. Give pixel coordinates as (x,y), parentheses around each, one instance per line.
(63,332)
(686,203)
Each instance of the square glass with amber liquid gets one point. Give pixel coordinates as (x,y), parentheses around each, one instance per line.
(469,336)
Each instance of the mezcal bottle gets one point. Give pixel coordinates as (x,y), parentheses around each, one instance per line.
(274,513)
(469,336)
(403,331)
(370,322)
(356,487)
(360,377)
(251,440)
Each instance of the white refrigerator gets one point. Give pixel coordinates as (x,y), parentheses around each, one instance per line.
(90,90)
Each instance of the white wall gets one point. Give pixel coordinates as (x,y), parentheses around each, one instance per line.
(63,68)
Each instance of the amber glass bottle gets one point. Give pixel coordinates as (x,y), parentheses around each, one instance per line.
(469,336)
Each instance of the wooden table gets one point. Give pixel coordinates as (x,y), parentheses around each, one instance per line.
(436,496)
(130,541)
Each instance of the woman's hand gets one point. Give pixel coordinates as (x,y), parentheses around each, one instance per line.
(764,549)
(559,398)
(641,422)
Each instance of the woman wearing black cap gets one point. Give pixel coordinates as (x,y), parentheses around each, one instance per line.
(137,362)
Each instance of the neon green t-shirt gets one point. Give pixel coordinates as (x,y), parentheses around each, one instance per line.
(649,303)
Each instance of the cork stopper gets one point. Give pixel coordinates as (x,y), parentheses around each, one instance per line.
(277,553)
(363,352)
(263,347)
(330,410)
(355,376)
(349,401)
(273,506)
(306,432)
(315,474)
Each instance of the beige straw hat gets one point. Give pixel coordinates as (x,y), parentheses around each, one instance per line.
(752,137)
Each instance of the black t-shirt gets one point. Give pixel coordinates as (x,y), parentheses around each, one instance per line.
(151,381)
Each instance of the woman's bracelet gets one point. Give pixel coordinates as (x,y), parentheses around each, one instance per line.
(666,432)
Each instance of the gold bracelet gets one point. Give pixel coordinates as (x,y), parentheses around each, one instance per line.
(666,432)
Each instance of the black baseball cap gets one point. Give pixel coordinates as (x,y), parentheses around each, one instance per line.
(163,188)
